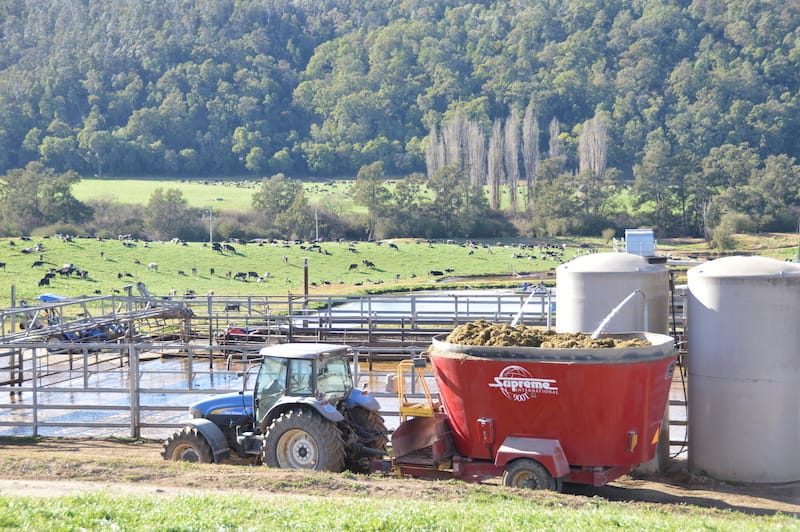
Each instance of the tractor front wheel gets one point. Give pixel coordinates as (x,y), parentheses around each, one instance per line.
(529,474)
(302,439)
(187,445)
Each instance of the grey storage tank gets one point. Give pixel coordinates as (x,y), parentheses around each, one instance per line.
(588,288)
(744,369)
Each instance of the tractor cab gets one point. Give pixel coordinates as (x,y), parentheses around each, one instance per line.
(317,374)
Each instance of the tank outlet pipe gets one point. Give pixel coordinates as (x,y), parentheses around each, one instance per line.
(616,310)
(536,290)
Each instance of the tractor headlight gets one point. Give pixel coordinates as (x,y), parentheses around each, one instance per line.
(194,412)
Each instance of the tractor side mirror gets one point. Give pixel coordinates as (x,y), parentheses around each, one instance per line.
(419,362)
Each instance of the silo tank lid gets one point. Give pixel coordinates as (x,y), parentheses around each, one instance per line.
(611,262)
(746,266)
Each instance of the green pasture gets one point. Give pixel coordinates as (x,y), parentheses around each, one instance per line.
(479,511)
(228,195)
(221,195)
(279,268)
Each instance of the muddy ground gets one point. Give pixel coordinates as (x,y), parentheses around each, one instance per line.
(53,467)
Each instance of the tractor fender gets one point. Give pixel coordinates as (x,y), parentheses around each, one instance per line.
(545,451)
(213,436)
(325,409)
(358,397)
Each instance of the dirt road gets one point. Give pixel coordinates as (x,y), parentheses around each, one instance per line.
(53,467)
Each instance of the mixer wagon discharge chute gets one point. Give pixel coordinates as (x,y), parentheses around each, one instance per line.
(536,416)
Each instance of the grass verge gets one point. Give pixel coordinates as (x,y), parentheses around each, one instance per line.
(484,511)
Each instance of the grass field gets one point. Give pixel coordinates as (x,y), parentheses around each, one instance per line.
(221,195)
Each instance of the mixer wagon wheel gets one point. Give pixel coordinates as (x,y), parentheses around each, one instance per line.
(302,439)
(187,445)
(529,474)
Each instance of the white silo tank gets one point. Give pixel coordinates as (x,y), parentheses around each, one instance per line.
(743,333)
(588,289)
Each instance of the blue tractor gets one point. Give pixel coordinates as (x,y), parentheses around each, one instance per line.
(304,413)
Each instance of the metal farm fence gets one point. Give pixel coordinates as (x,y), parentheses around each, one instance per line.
(170,352)
(135,390)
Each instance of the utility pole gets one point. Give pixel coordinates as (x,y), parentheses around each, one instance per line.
(211,225)
(797,259)
(305,290)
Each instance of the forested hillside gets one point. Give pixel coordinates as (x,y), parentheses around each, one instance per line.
(558,102)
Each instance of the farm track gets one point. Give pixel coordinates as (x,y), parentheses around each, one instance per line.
(60,467)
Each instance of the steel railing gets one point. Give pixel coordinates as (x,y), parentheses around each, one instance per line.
(133,390)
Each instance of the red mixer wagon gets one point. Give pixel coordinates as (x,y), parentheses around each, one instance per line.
(536,416)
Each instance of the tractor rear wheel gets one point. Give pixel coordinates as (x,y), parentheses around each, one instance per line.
(187,445)
(302,439)
(529,474)
(372,422)
(372,432)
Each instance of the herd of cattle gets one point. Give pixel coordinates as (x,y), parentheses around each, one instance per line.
(69,270)
(64,271)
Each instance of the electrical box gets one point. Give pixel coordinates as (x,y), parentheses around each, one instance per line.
(640,242)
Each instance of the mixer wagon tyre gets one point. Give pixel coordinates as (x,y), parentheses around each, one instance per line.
(371,423)
(187,445)
(301,439)
(529,474)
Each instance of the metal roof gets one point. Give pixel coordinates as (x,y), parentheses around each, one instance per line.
(300,350)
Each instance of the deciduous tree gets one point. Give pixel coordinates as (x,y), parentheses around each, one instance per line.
(36,196)
(168,216)
(282,207)
(369,190)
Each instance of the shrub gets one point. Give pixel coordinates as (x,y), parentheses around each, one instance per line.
(730,224)
(59,228)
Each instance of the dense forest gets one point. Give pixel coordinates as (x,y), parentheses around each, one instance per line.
(691,108)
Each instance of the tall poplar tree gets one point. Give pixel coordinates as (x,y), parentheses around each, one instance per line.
(476,153)
(496,174)
(530,150)
(511,158)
